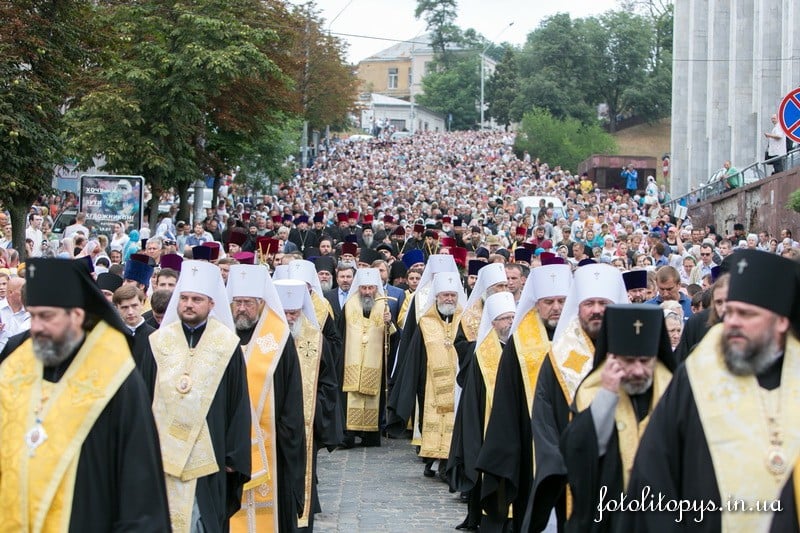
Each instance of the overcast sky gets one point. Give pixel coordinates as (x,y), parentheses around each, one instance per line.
(393,20)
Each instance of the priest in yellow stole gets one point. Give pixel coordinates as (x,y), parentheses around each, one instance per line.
(274,497)
(633,365)
(480,373)
(427,373)
(79,444)
(366,324)
(323,423)
(195,368)
(727,429)
(506,457)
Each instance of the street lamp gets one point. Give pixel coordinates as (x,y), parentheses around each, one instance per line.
(483,66)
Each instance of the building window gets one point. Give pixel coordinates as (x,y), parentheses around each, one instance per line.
(410,77)
(393,76)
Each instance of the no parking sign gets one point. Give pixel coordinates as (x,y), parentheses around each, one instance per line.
(789,115)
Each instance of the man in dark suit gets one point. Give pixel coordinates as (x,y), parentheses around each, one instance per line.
(129,301)
(336,297)
(396,294)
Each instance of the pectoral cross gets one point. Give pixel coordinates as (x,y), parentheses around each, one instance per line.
(742,265)
(638,326)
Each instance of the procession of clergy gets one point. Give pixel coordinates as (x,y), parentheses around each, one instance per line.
(558,402)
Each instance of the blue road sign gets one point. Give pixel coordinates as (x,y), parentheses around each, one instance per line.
(789,115)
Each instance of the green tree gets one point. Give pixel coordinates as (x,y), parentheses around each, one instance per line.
(564,142)
(440,16)
(454,91)
(43,48)
(502,88)
(182,78)
(621,42)
(554,71)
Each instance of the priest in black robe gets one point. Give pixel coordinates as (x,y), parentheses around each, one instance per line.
(506,457)
(470,424)
(633,365)
(788,520)
(197,328)
(570,359)
(118,480)
(258,314)
(723,434)
(320,389)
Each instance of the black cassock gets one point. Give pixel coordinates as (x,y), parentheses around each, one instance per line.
(548,421)
(328,424)
(787,520)
(506,457)
(694,330)
(219,495)
(408,387)
(588,472)
(673,459)
(120,479)
(462,463)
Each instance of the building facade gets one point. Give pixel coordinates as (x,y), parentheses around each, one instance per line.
(403,115)
(734,60)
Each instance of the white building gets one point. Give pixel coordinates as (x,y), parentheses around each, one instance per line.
(734,60)
(403,115)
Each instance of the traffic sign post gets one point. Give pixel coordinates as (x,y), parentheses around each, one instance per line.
(789,115)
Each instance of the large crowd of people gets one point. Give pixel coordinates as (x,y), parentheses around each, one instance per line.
(543,360)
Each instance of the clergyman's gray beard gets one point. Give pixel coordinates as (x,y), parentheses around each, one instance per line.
(752,359)
(52,353)
(368,241)
(632,389)
(243,323)
(446,309)
(367,303)
(504,334)
(326,285)
(296,328)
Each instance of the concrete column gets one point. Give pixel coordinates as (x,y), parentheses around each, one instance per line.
(768,70)
(679,182)
(744,126)
(698,111)
(718,129)
(679,151)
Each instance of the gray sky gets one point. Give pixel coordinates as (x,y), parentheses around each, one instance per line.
(394,19)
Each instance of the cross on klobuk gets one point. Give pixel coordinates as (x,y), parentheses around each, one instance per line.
(32,270)
(638,326)
(742,265)
(195,270)
(553,277)
(596,275)
(244,275)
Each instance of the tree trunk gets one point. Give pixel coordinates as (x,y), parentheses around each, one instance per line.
(152,220)
(19,214)
(183,207)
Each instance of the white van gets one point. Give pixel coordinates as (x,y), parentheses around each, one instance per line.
(523,202)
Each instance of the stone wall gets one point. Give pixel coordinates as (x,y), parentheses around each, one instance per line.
(759,206)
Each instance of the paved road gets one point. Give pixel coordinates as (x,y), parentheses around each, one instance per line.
(383,490)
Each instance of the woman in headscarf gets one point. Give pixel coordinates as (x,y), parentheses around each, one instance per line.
(132,246)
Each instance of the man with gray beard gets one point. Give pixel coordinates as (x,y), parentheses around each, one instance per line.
(633,365)
(727,427)
(426,374)
(80,446)
(365,323)
(323,424)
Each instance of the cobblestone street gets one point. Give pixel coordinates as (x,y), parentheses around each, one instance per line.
(383,490)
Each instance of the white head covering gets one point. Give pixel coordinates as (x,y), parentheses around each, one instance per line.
(543,282)
(436,263)
(293,294)
(306,271)
(591,281)
(281,272)
(489,275)
(365,276)
(447,282)
(253,281)
(247,280)
(204,278)
(496,305)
